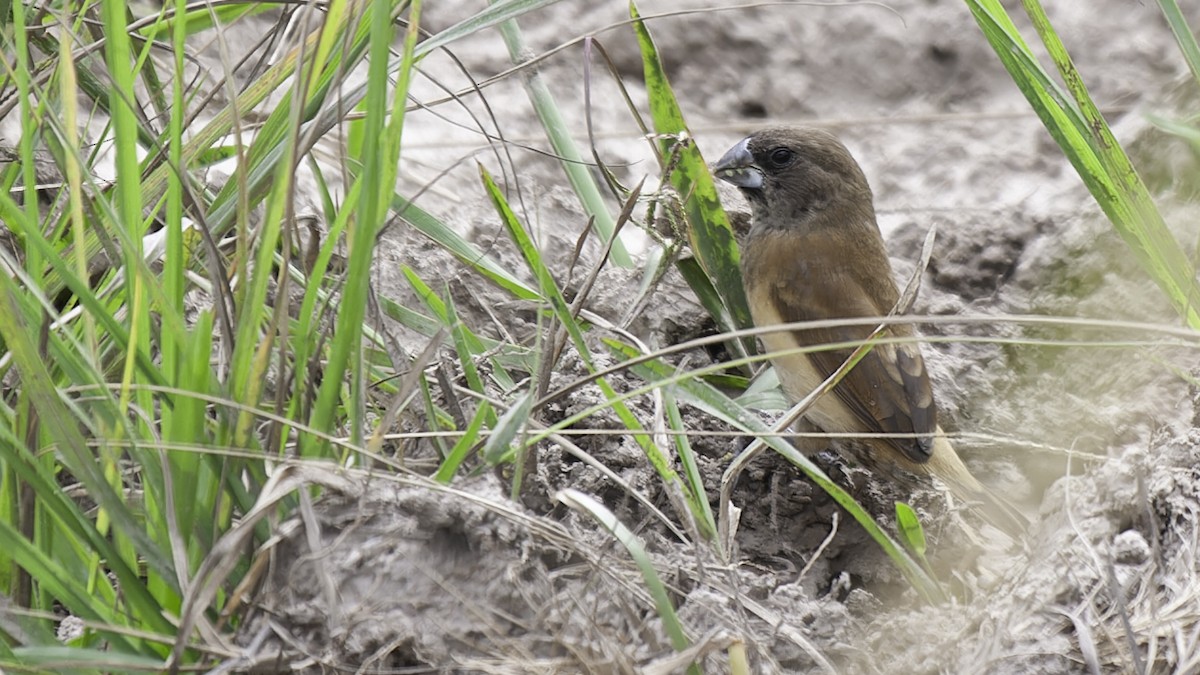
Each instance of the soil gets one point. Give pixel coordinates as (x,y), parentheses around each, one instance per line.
(1097,444)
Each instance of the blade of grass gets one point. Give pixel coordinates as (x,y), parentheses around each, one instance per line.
(500,442)
(695,494)
(77,660)
(128,187)
(553,296)
(468,350)
(462,249)
(1183,35)
(379,175)
(496,13)
(189,23)
(468,344)
(569,157)
(1080,130)
(710,298)
(61,424)
(913,534)
(463,446)
(709,230)
(658,591)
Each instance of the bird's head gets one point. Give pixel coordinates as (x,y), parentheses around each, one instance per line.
(796,176)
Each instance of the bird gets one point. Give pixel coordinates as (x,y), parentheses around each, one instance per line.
(814,252)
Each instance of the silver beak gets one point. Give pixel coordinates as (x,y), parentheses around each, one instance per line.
(737,167)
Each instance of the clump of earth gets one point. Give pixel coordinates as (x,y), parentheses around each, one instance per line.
(1097,444)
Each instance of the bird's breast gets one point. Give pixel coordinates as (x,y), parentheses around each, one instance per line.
(797,373)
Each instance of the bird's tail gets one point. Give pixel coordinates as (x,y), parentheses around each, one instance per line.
(998,511)
(946,465)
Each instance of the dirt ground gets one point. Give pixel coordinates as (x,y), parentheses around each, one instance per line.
(403,577)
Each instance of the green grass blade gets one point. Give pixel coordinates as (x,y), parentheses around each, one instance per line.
(913,534)
(709,230)
(463,446)
(496,13)
(62,425)
(468,347)
(77,660)
(658,591)
(208,16)
(702,285)
(500,442)
(910,529)
(408,317)
(1086,140)
(462,249)
(573,163)
(558,304)
(382,156)
(127,193)
(549,291)
(693,491)
(1183,35)
(503,355)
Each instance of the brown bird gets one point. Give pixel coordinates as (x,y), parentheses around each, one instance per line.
(814,252)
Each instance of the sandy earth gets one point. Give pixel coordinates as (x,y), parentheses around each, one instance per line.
(402,576)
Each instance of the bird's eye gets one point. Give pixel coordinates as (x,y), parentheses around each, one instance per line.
(781,157)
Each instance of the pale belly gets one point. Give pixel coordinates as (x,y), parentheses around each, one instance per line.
(799,377)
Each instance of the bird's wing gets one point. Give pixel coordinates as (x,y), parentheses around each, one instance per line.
(888,390)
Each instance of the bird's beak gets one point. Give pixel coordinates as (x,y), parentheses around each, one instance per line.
(737,166)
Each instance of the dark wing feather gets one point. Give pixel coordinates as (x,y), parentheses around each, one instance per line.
(888,390)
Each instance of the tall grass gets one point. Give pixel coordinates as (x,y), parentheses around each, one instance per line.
(1073,119)
(166,414)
